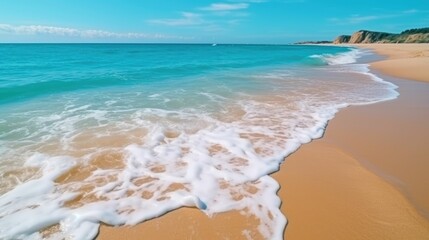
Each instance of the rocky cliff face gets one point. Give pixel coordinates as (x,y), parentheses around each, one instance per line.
(369,37)
(363,36)
(342,39)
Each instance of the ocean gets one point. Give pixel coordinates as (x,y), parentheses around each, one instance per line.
(123,133)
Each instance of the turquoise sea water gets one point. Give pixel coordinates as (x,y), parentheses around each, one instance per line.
(31,71)
(136,119)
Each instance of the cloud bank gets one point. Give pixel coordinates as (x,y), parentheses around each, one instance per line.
(214,17)
(73,32)
(187,19)
(225,7)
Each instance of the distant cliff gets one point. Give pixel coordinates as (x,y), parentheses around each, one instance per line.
(314,42)
(342,39)
(420,35)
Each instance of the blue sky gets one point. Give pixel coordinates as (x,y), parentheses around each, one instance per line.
(228,21)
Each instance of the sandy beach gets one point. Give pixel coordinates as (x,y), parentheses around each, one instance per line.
(406,61)
(365,179)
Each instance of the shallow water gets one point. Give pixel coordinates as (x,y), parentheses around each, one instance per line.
(124,133)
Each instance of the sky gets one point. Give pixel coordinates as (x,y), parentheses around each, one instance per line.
(203,21)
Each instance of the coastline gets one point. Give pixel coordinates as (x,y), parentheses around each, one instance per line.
(365,178)
(334,187)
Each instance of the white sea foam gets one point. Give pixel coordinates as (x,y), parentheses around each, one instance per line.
(341,58)
(173,158)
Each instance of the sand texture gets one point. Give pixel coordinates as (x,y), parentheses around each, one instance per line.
(408,61)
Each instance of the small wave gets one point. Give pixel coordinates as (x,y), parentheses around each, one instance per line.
(340,58)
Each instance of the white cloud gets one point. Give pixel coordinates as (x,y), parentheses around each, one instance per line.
(73,32)
(293,1)
(357,19)
(38,29)
(214,17)
(410,11)
(225,6)
(415,11)
(249,1)
(360,19)
(187,19)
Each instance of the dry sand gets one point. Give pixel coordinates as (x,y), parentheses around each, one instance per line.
(365,179)
(407,61)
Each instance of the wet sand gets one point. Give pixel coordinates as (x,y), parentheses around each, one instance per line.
(365,179)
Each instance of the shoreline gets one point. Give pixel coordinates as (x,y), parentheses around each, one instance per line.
(330,189)
(365,178)
(404,64)
(407,69)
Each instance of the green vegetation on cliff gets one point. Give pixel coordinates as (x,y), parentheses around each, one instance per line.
(416,30)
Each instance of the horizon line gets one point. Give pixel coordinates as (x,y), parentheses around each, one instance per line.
(149,43)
